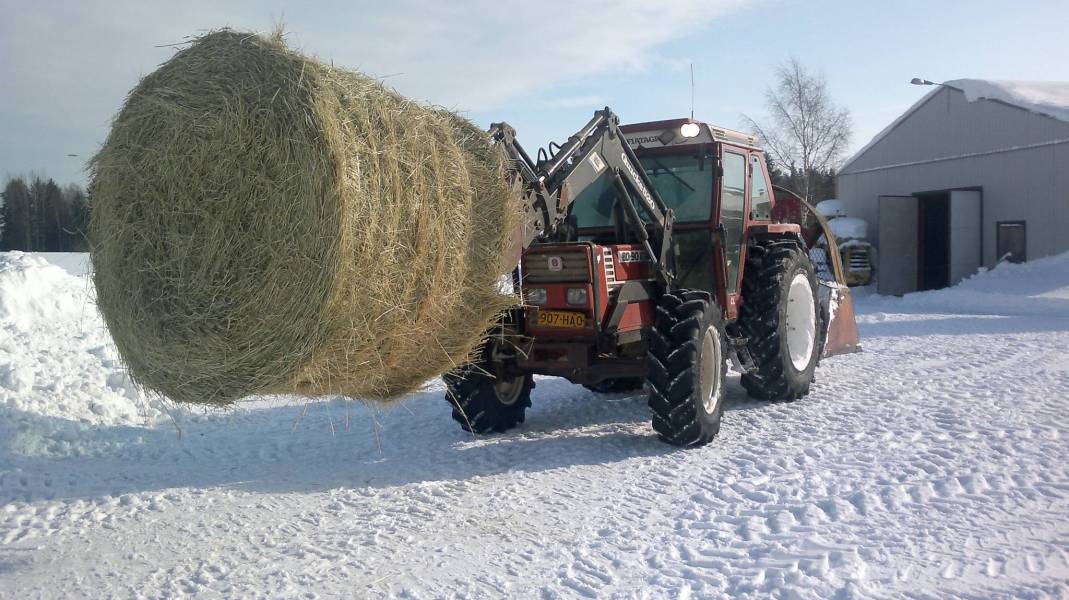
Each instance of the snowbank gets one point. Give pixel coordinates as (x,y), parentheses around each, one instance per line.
(56,357)
(1038,287)
(33,290)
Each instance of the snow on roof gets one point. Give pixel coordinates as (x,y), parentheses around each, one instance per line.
(1049,98)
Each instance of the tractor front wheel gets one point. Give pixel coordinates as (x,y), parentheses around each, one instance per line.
(781,319)
(687,368)
(483,403)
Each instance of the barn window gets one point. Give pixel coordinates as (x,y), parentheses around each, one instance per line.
(1011,241)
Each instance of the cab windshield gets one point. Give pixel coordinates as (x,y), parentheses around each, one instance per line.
(684,182)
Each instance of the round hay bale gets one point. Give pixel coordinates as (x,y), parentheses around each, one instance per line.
(265,223)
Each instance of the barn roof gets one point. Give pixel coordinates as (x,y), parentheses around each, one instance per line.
(1048,98)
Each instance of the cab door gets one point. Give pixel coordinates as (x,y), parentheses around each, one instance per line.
(732,220)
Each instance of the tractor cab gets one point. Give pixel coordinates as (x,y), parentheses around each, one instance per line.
(701,173)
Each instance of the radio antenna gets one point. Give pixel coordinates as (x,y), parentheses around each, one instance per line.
(691,91)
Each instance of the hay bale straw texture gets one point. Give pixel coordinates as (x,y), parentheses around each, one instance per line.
(266,223)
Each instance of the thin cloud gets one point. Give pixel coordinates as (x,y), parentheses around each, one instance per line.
(573,102)
(66,69)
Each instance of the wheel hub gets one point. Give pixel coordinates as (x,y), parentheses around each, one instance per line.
(508,390)
(801,322)
(710,370)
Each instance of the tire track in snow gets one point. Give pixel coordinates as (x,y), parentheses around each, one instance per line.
(933,462)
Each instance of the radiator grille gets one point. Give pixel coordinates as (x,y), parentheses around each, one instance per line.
(859,260)
(575,267)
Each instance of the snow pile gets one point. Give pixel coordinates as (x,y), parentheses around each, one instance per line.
(33,290)
(849,227)
(1038,287)
(1049,98)
(831,207)
(57,360)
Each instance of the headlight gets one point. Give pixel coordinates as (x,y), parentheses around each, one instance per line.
(536,296)
(689,130)
(577,296)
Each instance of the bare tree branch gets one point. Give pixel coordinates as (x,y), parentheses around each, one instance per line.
(804,130)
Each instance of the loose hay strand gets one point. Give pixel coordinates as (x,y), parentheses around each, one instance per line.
(265,223)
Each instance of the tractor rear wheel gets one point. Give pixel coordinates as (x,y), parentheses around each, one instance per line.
(781,319)
(485,404)
(687,368)
(615,386)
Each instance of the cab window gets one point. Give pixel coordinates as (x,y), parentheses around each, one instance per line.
(685,183)
(760,200)
(594,206)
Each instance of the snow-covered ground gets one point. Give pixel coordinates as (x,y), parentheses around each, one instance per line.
(935,463)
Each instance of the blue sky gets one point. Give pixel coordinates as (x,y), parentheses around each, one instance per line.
(542,66)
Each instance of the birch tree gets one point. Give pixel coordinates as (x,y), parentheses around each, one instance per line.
(804,131)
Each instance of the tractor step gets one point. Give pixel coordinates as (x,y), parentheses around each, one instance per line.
(741,358)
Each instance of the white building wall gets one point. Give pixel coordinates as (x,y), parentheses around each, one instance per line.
(1019,160)
(1023,185)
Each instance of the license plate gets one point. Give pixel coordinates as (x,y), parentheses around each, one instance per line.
(560,318)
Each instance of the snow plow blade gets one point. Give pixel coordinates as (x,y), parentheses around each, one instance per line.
(841,335)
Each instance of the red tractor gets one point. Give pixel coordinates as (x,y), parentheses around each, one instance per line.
(654,253)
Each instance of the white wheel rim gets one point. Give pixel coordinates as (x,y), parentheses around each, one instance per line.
(801,322)
(508,390)
(710,370)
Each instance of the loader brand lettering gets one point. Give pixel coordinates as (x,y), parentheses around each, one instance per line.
(646,139)
(631,256)
(634,175)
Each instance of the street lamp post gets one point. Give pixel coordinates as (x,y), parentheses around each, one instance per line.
(919,81)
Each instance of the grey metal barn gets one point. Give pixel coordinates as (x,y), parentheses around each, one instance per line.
(974,172)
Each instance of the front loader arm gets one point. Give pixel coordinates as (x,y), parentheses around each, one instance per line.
(540,208)
(560,175)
